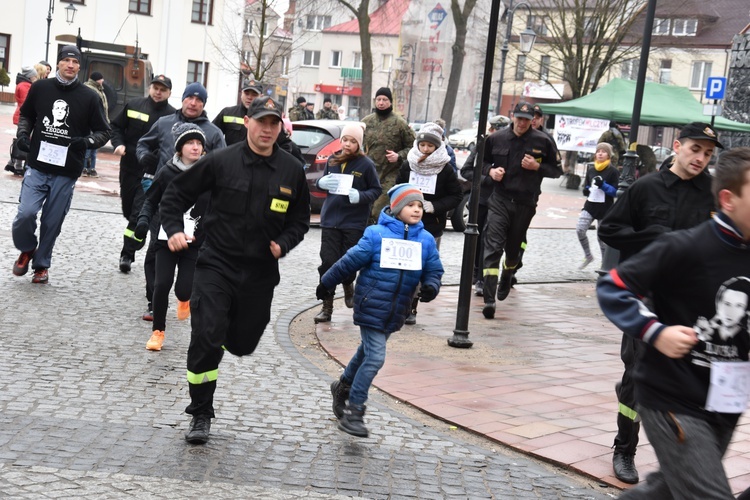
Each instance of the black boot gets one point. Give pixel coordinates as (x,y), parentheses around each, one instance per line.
(352,421)
(125,262)
(626,441)
(411,318)
(199,430)
(503,288)
(490,287)
(349,295)
(324,316)
(340,393)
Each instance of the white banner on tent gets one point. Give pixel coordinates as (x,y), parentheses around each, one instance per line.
(575,133)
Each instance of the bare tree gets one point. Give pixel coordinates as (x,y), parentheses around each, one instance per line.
(589,37)
(362,13)
(253,38)
(458,52)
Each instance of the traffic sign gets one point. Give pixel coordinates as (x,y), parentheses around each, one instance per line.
(715,87)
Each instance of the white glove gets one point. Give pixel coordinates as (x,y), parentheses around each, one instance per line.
(353,196)
(428,208)
(328,182)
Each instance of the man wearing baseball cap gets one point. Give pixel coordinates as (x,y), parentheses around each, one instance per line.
(230,120)
(260,210)
(132,123)
(58,122)
(516,158)
(675,198)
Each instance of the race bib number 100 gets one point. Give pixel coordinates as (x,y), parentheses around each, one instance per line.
(401,254)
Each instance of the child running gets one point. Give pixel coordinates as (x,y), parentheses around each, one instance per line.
(393,257)
(600,189)
(428,167)
(190,142)
(345,212)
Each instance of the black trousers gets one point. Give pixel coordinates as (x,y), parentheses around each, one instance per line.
(628,421)
(132,197)
(333,245)
(166,263)
(505,230)
(149,261)
(230,309)
(479,256)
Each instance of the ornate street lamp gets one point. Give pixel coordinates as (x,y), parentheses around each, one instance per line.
(70,15)
(526,43)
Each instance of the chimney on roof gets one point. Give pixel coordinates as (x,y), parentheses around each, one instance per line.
(289,16)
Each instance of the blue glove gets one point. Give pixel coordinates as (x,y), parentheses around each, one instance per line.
(328,182)
(353,196)
(146,183)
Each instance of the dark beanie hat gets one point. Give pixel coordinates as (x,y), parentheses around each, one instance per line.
(197,90)
(185,131)
(386,92)
(96,76)
(327,99)
(301,99)
(69,51)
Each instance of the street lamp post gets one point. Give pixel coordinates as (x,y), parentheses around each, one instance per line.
(429,86)
(403,59)
(526,43)
(460,337)
(70,15)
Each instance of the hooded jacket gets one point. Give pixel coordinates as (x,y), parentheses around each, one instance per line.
(23,85)
(382,297)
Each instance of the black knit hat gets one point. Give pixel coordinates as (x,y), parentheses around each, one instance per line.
(69,51)
(301,99)
(96,76)
(185,131)
(386,92)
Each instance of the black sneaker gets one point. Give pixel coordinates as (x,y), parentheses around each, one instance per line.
(479,288)
(125,262)
(624,467)
(411,319)
(148,315)
(92,173)
(199,429)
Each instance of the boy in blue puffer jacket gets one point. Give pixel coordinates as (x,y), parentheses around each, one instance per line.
(392,258)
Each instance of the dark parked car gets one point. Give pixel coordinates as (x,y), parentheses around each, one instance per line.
(317,139)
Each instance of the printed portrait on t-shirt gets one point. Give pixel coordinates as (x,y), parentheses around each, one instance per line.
(59,113)
(728,329)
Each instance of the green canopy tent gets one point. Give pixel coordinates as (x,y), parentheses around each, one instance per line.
(666,105)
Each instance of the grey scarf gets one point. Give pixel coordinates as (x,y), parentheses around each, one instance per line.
(432,165)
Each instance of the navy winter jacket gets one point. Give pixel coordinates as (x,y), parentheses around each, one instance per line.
(382,297)
(338,212)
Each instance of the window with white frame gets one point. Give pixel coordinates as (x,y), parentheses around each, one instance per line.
(311,58)
(284,65)
(520,67)
(537,24)
(387,62)
(544,68)
(590,25)
(249,26)
(335,58)
(357,62)
(665,71)
(700,72)
(196,73)
(629,69)
(317,23)
(684,27)
(662,26)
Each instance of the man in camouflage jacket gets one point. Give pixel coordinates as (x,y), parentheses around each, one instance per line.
(326,113)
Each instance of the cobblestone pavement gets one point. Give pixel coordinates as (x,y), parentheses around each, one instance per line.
(87,412)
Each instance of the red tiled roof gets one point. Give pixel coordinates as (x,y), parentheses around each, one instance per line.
(386,20)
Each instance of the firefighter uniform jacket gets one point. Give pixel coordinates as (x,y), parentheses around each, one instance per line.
(231,121)
(132,123)
(254,200)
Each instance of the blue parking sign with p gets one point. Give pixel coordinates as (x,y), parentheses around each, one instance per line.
(715,87)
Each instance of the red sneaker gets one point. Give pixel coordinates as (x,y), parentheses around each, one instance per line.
(21,266)
(40,276)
